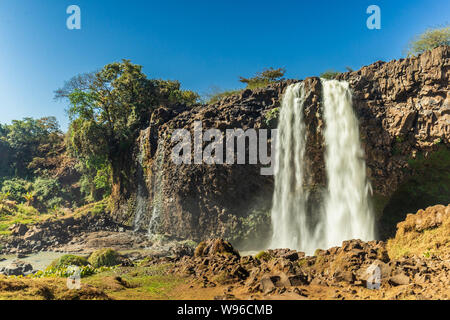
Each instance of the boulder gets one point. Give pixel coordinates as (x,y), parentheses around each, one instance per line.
(267,285)
(18,229)
(214,247)
(17,268)
(399,280)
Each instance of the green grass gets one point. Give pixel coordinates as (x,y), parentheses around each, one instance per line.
(93,208)
(151,282)
(20,214)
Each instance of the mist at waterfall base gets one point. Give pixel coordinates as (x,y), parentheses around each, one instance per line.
(345,212)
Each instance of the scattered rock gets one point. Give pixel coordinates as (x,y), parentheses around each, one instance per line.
(17,268)
(399,280)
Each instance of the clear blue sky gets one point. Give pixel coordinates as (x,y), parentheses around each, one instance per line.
(201,43)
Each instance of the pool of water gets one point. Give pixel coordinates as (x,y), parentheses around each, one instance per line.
(39,261)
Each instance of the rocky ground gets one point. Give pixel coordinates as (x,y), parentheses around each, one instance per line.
(413,265)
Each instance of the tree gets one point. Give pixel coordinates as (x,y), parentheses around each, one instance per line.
(428,40)
(264,78)
(5,152)
(107,111)
(80,82)
(28,139)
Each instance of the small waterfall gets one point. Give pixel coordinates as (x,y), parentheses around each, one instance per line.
(348,214)
(158,185)
(142,194)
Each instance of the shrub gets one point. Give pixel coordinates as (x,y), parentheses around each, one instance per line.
(330,74)
(65,271)
(16,189)
(47,193)
(68,260)
(428,40)
(271,117)
(215,95)
(104,258)
(263,78)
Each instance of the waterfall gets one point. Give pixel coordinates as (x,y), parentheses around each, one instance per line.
(157,189)
(345,213)
(141,195)
(289,218)
(348,214)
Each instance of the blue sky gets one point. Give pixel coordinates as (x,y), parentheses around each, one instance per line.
(200,43)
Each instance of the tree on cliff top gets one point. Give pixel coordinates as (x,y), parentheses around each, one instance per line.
(107,111)
(428,40)
(264,77)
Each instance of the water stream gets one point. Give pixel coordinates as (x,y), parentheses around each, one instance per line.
(345,212)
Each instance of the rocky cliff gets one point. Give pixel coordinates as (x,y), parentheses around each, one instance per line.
(404,111)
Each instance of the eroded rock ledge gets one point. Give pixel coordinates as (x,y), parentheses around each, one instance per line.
(404,111)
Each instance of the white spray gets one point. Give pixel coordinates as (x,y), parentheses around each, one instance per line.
(346,213)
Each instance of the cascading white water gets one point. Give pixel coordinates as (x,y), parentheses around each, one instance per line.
(346,213)
(290,229)
(158,185)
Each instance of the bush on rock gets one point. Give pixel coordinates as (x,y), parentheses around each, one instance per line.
(104,258)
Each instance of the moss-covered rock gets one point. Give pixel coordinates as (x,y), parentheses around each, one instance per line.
(69,260)
(105,258)
(263,255)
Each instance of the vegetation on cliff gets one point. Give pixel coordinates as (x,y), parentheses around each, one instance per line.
(107,111)
(430,39)
(260,80)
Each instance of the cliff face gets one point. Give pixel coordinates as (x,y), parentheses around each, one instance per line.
(404,109)
(404,112)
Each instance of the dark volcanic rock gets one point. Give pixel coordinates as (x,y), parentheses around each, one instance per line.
(17,268)
(403,107)
(50,234)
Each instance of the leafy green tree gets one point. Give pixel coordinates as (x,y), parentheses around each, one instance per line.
(5,153)
(107,111)
(27,139)
(428,40)
(263,78)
